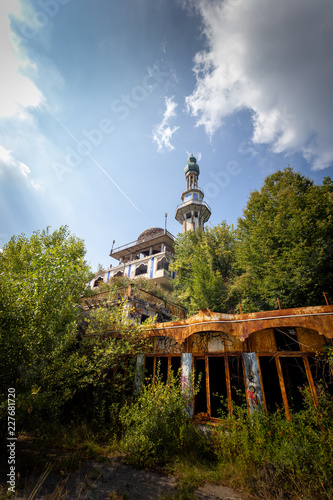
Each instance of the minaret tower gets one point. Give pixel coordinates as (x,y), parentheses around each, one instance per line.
(193,212)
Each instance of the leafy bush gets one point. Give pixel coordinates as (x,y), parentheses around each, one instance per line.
(41,280)
(156,427)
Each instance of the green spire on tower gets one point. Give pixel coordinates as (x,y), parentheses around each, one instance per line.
(192,165)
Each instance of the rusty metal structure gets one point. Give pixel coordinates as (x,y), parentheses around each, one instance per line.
(259,358)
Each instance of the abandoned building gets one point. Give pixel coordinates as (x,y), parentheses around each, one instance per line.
(148,257)
(151,254)
(258,359)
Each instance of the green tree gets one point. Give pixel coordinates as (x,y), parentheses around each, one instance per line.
(204,268)
(58,374)
(285,243)
(41,281)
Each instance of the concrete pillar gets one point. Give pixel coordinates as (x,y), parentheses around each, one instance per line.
(187,382)
(254,392)
(139,372)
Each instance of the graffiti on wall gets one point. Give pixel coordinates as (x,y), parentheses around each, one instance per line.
(167,345)
(254,393)
(252,390)
(201,340)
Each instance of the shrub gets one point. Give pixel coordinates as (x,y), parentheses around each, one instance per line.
(156,428)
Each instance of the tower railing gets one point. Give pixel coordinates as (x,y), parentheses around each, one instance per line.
(194,202)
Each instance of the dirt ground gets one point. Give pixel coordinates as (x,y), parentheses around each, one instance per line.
(114,480)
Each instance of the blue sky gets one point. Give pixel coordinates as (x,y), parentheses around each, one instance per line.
(101,103)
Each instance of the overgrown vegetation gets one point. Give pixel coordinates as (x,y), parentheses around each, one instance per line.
(266,454)
(157,428)
(60,377)
(277,458)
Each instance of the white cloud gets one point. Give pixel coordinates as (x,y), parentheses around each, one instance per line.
(8,162)
(15,170)
(16,89)
(198,156)
(274,58)
(162,133)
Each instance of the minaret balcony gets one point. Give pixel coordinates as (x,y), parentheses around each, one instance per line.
(198,206)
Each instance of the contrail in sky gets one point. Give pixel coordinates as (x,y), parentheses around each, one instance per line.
(90,156)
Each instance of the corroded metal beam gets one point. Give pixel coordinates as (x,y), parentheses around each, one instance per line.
(317,318)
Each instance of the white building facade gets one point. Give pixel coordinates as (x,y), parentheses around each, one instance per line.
(148,257)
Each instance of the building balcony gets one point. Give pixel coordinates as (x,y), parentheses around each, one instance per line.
(198,206)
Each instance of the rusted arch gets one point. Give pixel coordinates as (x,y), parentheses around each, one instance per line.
(319,324)
(242,328)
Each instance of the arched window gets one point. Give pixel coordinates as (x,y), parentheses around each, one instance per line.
(98,282)
(141,269)
(119,273)
(163,264)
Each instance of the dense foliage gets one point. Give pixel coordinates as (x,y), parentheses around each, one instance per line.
(286,243)
(156,427)
(41,280)
(57,376)
(204,268)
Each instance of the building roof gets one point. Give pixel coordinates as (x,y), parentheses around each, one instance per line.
(153,231)
(148,238)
